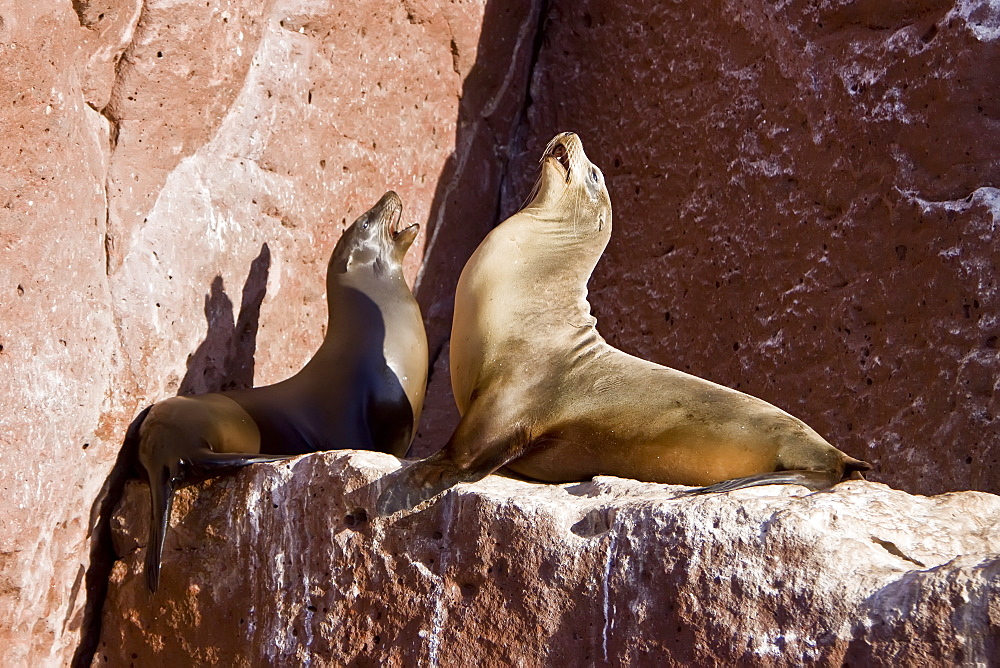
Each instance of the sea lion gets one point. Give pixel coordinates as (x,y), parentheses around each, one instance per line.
(541,392)
(364,387)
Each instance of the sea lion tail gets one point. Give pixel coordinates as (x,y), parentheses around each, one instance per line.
(814,480)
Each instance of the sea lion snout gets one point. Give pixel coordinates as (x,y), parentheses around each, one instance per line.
(563,148)
(561,155)
(566,151)
(388,211)
(389,203)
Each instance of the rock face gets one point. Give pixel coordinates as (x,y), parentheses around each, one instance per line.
(806,208)
(175,175)
(806,202)
(287,564)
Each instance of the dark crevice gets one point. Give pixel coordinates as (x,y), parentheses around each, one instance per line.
(110,110)
(109,243)
(518,136)
(455,57)
(487,114)
(892,549)
(113,123)
(81,7)
(433,362)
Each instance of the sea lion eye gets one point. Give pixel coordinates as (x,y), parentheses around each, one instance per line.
(364,225)
(593,174)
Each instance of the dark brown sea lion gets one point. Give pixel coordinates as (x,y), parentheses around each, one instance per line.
(541,392)
(364,387)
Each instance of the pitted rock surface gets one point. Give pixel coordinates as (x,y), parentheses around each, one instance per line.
(283,564)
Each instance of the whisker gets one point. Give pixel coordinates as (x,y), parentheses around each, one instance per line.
(576,211)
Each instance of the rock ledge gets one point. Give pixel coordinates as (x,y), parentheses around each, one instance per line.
(286,563)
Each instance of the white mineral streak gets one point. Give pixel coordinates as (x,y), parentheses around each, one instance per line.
(982,17)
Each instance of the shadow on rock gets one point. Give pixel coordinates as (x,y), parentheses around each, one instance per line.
(223,361)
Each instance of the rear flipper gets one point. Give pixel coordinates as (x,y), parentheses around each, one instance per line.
(203,463)
(814,480)
(473,452)
(853,468)
(161,499)
(211,463)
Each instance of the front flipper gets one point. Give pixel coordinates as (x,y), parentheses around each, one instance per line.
(210,463)
(814,480)
(471,454)
(421,481)
(204,463)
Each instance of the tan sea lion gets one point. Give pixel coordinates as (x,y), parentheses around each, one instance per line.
(363,389)
(541,392)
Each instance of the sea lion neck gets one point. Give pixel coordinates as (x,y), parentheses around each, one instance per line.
(382,277)
(544,269)
(551,250)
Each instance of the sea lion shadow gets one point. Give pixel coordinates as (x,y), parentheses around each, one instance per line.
(588,489)
(367,496)
(412,507)
(224,360)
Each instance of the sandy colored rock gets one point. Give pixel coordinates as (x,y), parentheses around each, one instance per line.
(287,564)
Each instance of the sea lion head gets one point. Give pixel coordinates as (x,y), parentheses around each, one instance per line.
(571,185)
(375,241)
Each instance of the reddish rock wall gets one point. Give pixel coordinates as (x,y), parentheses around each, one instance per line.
(59,347)
(806,208)
(174,177)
